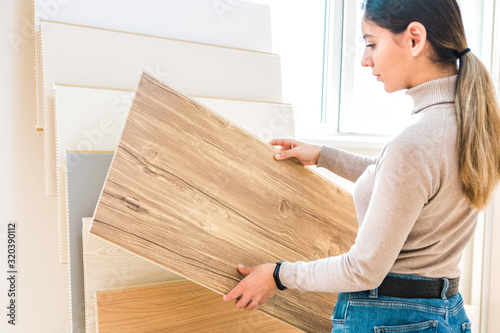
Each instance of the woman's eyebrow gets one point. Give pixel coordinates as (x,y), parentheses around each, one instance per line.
(367,35)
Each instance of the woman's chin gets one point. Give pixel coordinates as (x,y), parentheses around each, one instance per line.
(391,89)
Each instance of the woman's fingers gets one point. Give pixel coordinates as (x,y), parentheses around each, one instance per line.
(245,270)
(252,305)
(305,153)
(282,155)
(234,294)
(243,302)
(285,143)
(279,141)
(256,288)
(237,292)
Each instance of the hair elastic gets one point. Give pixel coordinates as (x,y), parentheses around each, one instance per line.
(461,54)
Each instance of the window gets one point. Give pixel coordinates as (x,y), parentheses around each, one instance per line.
(365,107)
(320,46)
(298,32)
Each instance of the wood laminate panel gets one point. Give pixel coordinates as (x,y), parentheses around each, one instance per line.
(177,307)
(241,24)
(96,57)
(206,195)
(89,119)
(107,266)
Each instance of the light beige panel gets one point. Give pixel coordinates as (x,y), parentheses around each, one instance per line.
(96,57)
(107,266)
(206,196)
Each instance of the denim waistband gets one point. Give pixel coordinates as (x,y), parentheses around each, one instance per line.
(363,310)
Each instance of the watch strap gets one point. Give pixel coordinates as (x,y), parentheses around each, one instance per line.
(276,276)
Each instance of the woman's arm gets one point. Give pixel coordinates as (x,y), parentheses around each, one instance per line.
(343,163)
(395,191)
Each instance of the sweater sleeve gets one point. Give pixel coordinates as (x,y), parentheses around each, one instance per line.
(402,185)
(343,163)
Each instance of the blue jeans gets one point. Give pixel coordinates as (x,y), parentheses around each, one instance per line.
(366,311)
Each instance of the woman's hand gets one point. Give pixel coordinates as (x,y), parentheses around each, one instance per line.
(255,289)
(306,153)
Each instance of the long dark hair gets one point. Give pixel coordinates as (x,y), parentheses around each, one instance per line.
(476,106)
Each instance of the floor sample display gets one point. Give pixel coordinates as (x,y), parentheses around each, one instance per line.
(177,307)
(95,57)
(107,266)
(89,119)
(192,192)
(244,24)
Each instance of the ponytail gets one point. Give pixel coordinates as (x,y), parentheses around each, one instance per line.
(478,117)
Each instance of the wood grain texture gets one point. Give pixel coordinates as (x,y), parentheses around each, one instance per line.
(88,118)
(107,266)
(177,307)
(97,57)
(206,195)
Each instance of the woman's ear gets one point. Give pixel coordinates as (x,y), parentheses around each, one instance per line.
(417,38)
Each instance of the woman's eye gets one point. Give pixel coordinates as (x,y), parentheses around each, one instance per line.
(370,45)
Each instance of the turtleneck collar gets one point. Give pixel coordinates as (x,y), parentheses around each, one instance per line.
(433,92)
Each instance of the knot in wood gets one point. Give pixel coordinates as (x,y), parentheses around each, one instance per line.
(133,204)
(222,123)
(152,159)
(325,246)
(284,208)
(150,153)
(206,223)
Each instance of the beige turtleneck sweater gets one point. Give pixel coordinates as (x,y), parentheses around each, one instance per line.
(413,214)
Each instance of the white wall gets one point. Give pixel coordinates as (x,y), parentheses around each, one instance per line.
(42,289)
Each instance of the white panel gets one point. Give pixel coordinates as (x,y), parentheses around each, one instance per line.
(93,57)
(89,119)
(238,24)
(266,120)
(86,120)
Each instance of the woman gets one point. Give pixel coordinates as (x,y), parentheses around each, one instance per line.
(417,203)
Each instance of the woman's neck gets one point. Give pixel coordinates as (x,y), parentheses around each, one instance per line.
(433,72)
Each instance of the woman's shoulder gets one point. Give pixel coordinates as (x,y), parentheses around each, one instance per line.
(431,133)
(429,128)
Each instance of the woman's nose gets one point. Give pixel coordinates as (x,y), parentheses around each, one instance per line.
(366,61)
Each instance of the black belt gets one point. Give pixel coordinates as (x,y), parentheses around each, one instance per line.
(408,288)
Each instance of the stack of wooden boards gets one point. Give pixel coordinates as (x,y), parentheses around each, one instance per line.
(88,57)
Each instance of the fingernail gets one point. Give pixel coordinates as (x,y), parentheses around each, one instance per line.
(240,266)
(278,155)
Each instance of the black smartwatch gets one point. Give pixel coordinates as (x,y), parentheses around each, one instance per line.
(276,276)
